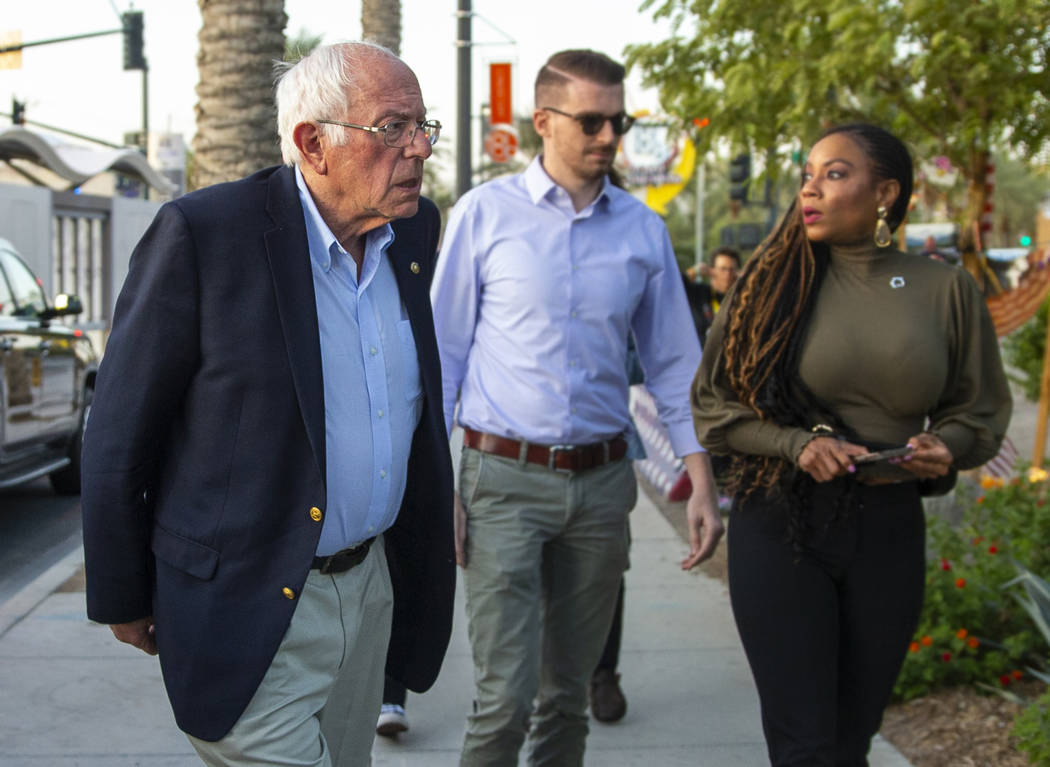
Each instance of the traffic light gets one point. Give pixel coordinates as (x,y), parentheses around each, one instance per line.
(739,177)
(133,24)
(1026,241)
(18,112)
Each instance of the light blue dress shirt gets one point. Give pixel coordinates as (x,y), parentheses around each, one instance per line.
(373,395)
(532,306)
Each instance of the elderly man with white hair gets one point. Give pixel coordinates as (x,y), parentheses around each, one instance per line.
(267,488)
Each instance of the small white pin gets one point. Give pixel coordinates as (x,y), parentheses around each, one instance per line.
(896,282)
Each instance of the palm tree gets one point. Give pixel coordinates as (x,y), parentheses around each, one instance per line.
(236,120)
(381,23)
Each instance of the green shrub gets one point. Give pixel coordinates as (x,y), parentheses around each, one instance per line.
(1032,730)
(970,630)
(1024,349)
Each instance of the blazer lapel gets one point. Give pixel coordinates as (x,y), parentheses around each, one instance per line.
(412,274)
(289,256)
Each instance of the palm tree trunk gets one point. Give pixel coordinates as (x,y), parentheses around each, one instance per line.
(381,23)
(236,118)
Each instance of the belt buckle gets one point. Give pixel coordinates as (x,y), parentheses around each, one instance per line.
(325,568)
(552,451)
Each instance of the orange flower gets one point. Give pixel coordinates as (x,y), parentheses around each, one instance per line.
(961,633)
(960,582)
(980,499)
(1017,674)
(926,640)
(987,482)
(993,549)
(945,564)
(913,647)
(946,656)
(977,541)
(1004,679)
(973,642)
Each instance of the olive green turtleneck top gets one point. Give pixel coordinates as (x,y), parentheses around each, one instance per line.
(897,344)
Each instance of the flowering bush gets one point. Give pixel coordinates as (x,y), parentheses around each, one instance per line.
(971,631)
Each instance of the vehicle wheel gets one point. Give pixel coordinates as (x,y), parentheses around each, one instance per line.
(67,481)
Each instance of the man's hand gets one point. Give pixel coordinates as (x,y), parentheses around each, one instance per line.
(701,511)
(825,458)
(929,457)
(137,634)
(459,523)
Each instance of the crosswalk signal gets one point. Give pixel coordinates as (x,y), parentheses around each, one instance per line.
(739,177)
(133,26)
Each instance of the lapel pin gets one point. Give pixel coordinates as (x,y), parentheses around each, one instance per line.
(414,266)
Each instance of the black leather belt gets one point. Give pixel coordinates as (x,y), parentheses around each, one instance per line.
(343,560)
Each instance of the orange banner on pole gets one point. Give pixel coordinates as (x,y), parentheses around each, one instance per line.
(500,94)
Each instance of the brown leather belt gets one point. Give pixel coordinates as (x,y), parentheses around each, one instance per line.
(554,457)
(343,560)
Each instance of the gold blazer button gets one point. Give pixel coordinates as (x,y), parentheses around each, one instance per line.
(414,266)
(288,592)
(315,514)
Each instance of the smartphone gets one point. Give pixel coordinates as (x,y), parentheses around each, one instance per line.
(881,455)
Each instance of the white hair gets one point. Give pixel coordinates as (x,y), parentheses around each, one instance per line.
(320,86)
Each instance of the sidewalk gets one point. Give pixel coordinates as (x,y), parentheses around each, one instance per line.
(74,697)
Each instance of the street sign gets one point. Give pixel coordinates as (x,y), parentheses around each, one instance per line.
(500,109)
(501,144)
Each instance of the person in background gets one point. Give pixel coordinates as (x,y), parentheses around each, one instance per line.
(705,299)
(267,487)
(542,276)
(834,344)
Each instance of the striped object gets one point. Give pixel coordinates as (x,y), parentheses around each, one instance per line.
(660,466)
(1002,465)
(1013,308)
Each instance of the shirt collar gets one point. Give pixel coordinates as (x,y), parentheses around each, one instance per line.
(323,244)
(540,186)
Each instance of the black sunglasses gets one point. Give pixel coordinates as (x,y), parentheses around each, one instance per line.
(592,122)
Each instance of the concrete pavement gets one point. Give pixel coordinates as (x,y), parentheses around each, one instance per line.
(71,696)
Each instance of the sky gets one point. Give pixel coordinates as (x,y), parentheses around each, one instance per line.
(81,86)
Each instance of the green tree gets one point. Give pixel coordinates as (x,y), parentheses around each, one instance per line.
(958,75)
(301,44)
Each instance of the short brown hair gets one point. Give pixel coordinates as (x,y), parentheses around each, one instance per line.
(585,64)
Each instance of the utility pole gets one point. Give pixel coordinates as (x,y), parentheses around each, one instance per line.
(463,98)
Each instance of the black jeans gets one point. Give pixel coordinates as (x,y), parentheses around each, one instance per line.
(826,630)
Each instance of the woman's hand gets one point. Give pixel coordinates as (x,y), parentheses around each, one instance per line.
(825,458)
(929,457)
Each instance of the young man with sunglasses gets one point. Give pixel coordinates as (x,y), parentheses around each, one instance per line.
(542,277)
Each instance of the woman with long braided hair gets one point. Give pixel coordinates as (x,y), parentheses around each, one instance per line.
(835,344)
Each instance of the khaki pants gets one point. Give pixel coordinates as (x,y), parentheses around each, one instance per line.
(546,551)
(318,703)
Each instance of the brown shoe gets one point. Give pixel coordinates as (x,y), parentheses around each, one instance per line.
(607,701)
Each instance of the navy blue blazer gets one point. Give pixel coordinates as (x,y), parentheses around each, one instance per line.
(206,449)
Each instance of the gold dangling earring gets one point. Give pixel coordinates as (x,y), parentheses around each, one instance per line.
(883,235)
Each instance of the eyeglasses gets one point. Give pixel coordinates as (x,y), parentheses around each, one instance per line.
(591,123)
(399,133)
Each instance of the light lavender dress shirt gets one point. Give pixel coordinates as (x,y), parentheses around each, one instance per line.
(532,305)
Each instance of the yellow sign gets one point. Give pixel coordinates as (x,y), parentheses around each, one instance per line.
(11,59)
(657,197)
